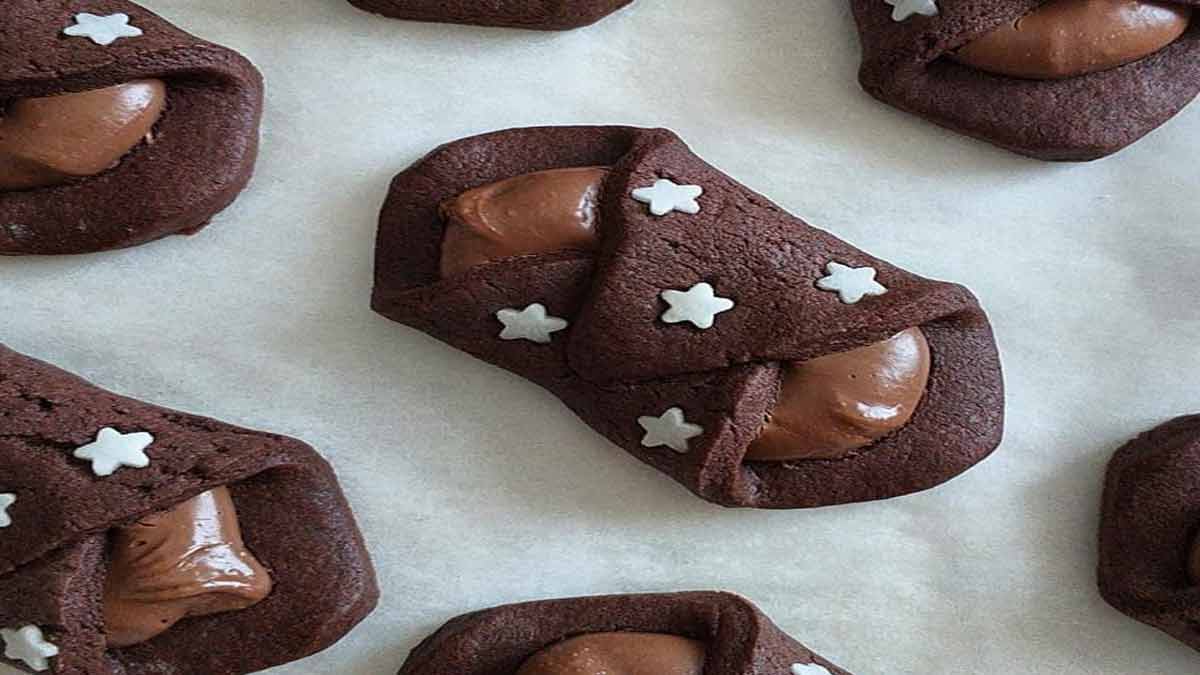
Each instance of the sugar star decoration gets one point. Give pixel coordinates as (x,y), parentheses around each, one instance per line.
(531,323)
(698,304)
(670,429)
(7,499)
(103,30)
(29,645)
(112,450)
(666,196)
(852,284)
(904,9)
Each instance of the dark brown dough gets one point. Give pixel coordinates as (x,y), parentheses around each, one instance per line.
(611,366)
(205,144)
(293,515)
(1075,119)
(1148,522)
(740,639)
(533,14)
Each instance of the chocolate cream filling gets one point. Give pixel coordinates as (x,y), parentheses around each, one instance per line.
(832,405)
(534,213)
(619,654)
(187,561)
(828,407)
(55,139)
(1070,38)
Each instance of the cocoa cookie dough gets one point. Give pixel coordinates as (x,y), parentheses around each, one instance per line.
(1149,524)
(531,14)
(1069,80)
(143,130)
(135,539)
(757,360)
(660,634)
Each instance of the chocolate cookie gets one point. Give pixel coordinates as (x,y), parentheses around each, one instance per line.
(1053,79)
(116,128)
(533,14)
(672,633)
(1149,522)
(135,539)
(755,359)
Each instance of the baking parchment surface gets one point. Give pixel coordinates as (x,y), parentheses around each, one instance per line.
(476,488)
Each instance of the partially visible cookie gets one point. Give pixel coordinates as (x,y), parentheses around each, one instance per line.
(135,539)
(1149,524)
(532,14)
(116,127)
(670,633)
(1068,80)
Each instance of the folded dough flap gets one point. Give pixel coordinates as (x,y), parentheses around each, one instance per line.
(292,513)
(60,595)
(1148,522)
(409,242)
(204,145)
(38,59)
(462,310)
(771,265)
(740,640)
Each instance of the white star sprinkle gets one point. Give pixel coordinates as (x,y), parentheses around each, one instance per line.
(29,645)
(103,30)
(669,429)
(530,323)
(112,450)
(6,500)
(904,9)
(809,669)
(852,284)
(698,304)
(666,196)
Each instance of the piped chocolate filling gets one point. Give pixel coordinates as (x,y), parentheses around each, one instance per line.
(55,139)
(619,654)
(187,561)
(534,213)
(1070,38)
(833,405)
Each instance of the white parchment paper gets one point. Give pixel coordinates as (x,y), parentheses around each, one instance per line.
(476,488)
